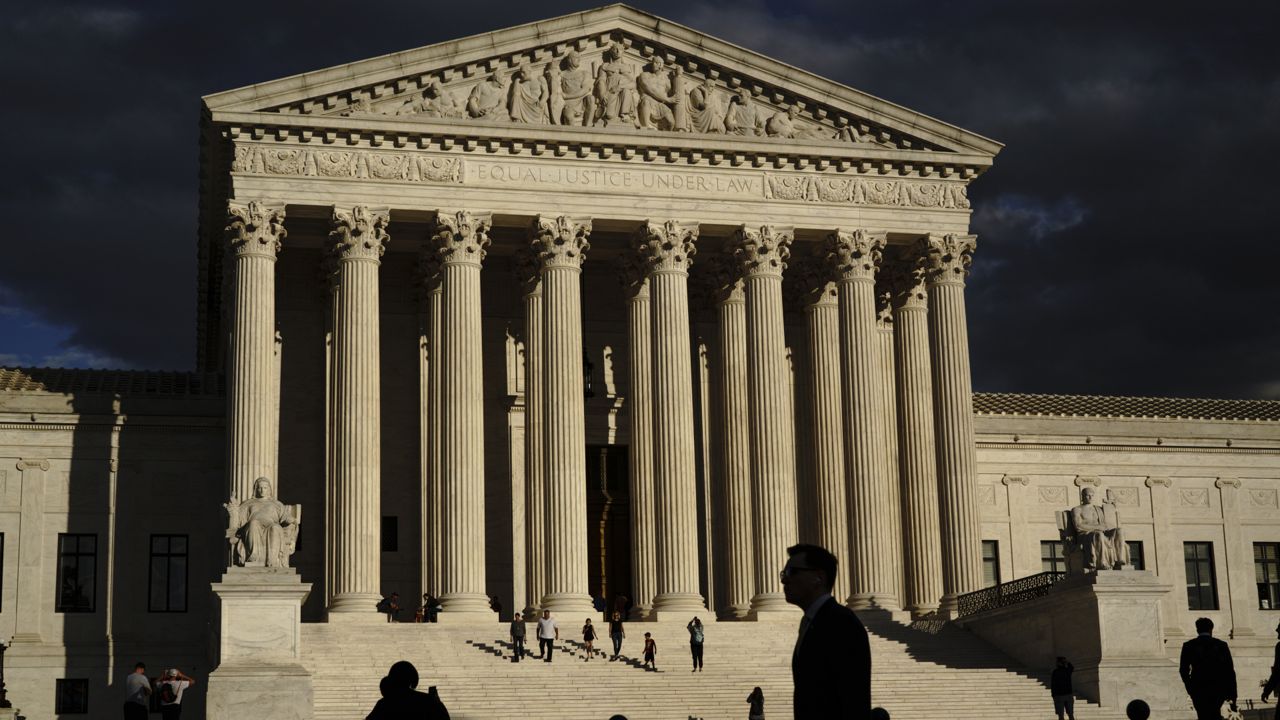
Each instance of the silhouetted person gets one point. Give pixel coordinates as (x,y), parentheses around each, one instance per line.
(1137,710)
(696,638)
(616,634)
(1273,682)
(401,701)
(496,605)
(831,665)
(137,693)
(755,704)
(169,688)
(650,652)
(1064,699)
(1207,672)
(879,714)
(517,636)
(390,605)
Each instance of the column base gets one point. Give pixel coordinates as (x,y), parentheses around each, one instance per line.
(734,612)
(569,603)
(873,601)
(638,613)
(355,603)
(464,603)
(768,607)
(679,602)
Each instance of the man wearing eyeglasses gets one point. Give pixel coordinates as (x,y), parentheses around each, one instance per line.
(831,665)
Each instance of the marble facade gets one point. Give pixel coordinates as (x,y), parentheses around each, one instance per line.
(411,268)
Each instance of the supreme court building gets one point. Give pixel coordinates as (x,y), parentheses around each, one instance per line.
(594,306)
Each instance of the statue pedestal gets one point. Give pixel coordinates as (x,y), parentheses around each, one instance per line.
(1106,624)
(259,671)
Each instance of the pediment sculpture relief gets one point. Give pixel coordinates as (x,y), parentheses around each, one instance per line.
(614,91)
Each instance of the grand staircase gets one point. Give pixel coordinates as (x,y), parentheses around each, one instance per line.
(917,675)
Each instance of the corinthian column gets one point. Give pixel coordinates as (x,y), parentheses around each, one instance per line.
(826,442)
(763,255)
(668,250)
(535,502)
(917,463)
(462,238)
(889,422)
(429,413)
(855,258)
(561,243)
(644,570)
(359,238)
(254,232)
(735,435)
(949,257)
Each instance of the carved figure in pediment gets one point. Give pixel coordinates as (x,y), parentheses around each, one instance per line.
(660,98)
(848,133)
(787,124)
(571,100)
(527,100)
(488,97)
(262,531)
(358,106)
(743,118)
(706,108)
(614,90)
(434,102)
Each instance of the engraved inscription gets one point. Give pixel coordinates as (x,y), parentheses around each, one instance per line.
(624,179)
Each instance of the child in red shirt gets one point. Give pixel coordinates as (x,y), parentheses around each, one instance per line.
(650,652)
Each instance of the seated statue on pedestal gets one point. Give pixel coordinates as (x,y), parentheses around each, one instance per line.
(1092,535)
(262,532)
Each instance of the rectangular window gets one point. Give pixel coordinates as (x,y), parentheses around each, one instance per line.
(168,589)
(1051,557)
(1266,570)
(990,563)
(1136,559)
(390,533)
(71,696)
(77,576)
(1202,587)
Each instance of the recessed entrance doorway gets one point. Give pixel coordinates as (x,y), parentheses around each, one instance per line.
(608,522)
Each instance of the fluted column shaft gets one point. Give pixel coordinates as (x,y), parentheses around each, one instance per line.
(535,502)
(735,434)
(826,426)
(917,463)
(359,237)
(949,259)
(254,232)
(889,423)
(644,570)
(429,278)
(561,243)
(763,254)
(855,258)
(668,250)
(462,238)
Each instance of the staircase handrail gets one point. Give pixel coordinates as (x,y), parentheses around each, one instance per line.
(1008,593)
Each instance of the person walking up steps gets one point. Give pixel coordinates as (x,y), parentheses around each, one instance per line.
(517,637)
(650,652)
(755,704)
(1060,688)
(589,638)
(616,634)
(696,638)
(548,633)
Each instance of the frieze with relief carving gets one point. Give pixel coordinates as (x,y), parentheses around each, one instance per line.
(358,164)
(866,191)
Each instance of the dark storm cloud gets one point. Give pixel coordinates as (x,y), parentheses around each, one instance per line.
(1124,235)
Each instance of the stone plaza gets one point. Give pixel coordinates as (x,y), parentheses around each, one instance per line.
(592,307)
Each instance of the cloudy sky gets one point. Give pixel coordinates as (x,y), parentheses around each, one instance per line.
(1126,238)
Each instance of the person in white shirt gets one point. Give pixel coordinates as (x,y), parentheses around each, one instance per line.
(170,687)
(137,692)
(548,633)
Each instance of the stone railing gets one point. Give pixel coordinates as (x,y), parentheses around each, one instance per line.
(1006,594)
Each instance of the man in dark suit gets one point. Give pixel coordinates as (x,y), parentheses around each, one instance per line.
(1273,682)
(831,665)
(1207,672)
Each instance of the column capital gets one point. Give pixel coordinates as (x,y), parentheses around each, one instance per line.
(884,306)
(722,283)
(634,276)
(906,283)
(360,233)
(255,227)
(527,272)
(812,284)
(762,251)
(462,236)
(426,273)
(855,254)
(948,256)
(667,246)
(560,241)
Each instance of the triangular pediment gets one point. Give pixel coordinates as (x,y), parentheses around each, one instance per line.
(604,69)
